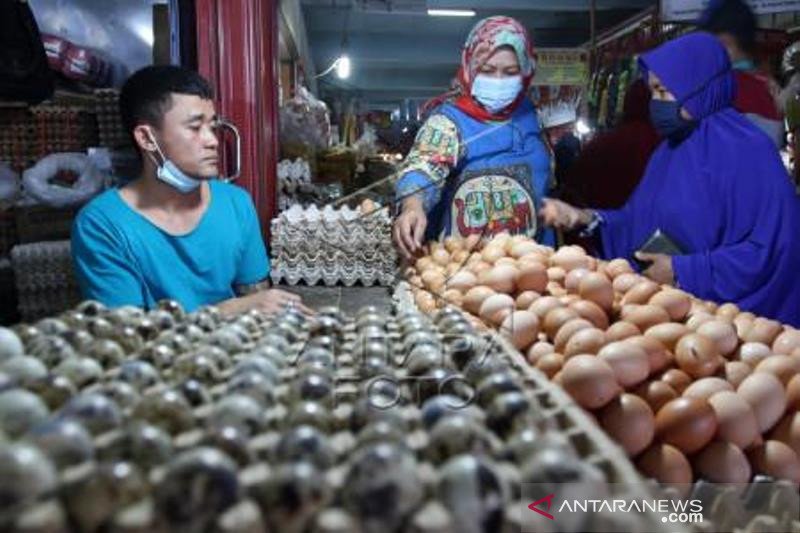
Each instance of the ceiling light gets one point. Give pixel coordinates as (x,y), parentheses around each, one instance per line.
(343,67)
(451,12)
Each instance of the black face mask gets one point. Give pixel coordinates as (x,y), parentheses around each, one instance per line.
(668,122)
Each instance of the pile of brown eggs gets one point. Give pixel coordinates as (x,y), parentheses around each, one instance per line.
(690,389)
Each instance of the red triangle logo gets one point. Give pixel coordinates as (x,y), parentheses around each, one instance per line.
(549,499)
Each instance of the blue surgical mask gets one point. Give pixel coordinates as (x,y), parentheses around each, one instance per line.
(668,122)
(169,173)
(496,94)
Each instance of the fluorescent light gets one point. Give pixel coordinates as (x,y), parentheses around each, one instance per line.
(451,12)
(343,67)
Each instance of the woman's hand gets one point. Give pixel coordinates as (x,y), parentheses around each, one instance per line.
(409,227)
(561,215)
(660,269)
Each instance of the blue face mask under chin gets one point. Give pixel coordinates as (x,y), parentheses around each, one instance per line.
(169,173)
(668,122)
(496,94)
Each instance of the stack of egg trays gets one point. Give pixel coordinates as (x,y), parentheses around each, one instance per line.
(44,278)
(140,516)
(109,121)
(340,251)
(724,507)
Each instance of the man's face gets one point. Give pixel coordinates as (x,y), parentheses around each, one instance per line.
(188,136)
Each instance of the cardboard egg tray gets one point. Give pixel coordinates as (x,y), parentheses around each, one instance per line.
(111,133)
(44,278)
(332,246)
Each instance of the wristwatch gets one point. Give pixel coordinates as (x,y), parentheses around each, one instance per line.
(595,222)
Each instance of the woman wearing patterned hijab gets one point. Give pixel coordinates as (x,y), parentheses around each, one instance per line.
(479,165)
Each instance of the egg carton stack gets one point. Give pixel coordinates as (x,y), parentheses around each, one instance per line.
(125,420)
(17,133)
(333,246)
(62,129)
(294,178)
(109,122)
(44,278)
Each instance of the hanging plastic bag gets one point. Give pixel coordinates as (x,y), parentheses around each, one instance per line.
(63,180)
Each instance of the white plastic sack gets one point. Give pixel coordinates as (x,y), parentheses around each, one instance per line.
(9,184)
(37,180)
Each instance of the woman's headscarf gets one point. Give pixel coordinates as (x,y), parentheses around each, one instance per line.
(484,39)
(722,193)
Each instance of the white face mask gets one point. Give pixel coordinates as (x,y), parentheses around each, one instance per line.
(169,173)
(496,94)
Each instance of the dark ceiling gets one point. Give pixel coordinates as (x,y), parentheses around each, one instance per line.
(399,52)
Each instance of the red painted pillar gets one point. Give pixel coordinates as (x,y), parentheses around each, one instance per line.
(237,51)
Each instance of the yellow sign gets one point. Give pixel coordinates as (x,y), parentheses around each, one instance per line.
(562,66)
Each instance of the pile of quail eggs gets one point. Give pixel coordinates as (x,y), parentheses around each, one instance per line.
(126,420)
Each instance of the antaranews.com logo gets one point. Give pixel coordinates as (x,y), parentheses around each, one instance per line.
(551,509)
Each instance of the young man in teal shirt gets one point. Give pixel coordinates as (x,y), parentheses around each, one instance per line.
(176,231)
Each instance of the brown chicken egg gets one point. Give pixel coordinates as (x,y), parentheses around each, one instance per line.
(786,342)
(585,341)
(698,319)
(776,459)
(500,278)
(453,297)
(570,257)
(537,350)
(424,263)
(722,333)
(522,328)
(591,312)
(554,288)
(551,364)
(556,274)
(657,355)
(508,261)
(736,371)
(496,308)
(788,431)
(463,280)
(766,395)
(668,334)
(557,318)
(705,388)
(597,288)
(753,353)
(728,311)
(793,394)
(686,423)
(784,367)
(617,267)
(474,298)
(743,322)
(425,301)
(666,464)
(544,305)
(566,331)
(736,420)
(525,299)
(573,279)
(590,381)
(453,243)
(629,420)
(697,355)
(641,292)
(621,330)
(722,462)
(441,257)
(677,379)
(460,257)
(471,242)
(532,277)
(629,361)
(479,267)
(656,393)
(569,299)
(763,330)
(644,316)
(625,282)
(522,249)
(491,253)
(676,303)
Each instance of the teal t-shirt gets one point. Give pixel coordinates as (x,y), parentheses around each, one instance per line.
(121,258)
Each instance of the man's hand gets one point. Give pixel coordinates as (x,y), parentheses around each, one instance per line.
(561,215)
(409,227)
(270,301)
(660,269)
